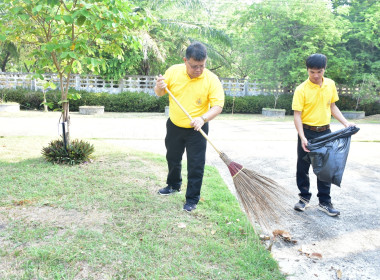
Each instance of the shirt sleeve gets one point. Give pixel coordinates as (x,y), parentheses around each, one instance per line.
(335,96)
(298,100)
(216,94)
(167,76)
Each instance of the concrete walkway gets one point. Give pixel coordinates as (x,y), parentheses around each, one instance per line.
(349,245)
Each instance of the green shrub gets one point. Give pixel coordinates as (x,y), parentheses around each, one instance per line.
(163,102)
(121,102)
(142,102)
(30,100)
(348,103)
(285,102)
(77,152)
(254,104)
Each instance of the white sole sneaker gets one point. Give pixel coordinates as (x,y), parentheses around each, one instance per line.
(298,207)
(324,209)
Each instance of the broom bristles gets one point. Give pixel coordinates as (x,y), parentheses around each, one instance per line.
(263,199)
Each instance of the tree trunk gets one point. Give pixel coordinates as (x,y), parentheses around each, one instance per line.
(64,87)
(45,106)
(5,61)
(357,103)
(66,126)
(145,67)
(65,111)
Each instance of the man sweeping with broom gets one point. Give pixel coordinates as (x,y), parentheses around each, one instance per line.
(313,104)
(201,94)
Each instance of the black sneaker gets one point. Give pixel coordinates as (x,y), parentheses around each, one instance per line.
(168,191)
(329,209)
(301,205)
(188,207)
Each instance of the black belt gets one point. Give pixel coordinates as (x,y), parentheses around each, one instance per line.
(316,128)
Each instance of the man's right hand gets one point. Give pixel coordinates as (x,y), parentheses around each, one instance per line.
(159,89)
(304,144)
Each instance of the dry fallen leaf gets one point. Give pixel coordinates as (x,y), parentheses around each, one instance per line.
(315,256)
(181,225)
(264,237)
(339,274)
(284,235)
(213,232)
(22,202)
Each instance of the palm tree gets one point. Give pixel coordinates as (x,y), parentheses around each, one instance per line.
(172,27)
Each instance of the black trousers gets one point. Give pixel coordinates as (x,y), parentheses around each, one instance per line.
(303,181)
(176,141)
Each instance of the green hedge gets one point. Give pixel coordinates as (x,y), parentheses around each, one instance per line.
(122,102)
(29,100)
(254,104)
(142,102)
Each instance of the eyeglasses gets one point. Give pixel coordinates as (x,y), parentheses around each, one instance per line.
(196,67)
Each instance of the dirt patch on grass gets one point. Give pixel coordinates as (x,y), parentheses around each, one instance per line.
(53,216)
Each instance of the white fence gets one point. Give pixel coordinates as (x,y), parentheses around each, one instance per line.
(145,84)
(92,83)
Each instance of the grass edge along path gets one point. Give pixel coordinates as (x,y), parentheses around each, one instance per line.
(104,220)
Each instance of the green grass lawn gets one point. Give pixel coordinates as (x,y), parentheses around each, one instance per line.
(104,220)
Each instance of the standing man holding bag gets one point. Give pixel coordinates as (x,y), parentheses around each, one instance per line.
(201,93)
(313,104)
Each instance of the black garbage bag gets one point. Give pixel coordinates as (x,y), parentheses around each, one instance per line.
(328,154)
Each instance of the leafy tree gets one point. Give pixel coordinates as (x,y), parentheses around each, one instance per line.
(282,36)
(71,36)
(362,40)
(241,56)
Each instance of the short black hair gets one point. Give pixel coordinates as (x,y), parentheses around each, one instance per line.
(196,51)
(316,61)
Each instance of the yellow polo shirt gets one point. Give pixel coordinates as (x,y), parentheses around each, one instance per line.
(195,95)
(314,101)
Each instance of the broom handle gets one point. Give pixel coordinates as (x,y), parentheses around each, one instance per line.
(190,118)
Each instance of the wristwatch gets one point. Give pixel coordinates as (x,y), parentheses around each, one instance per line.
(204,118)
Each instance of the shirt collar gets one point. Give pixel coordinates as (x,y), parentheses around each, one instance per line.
(310,83)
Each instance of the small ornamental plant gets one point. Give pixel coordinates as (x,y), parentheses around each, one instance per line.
(77,152)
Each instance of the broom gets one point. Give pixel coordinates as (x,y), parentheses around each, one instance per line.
(262,198)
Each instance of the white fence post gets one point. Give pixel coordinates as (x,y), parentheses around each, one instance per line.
(77,82)
(121,85)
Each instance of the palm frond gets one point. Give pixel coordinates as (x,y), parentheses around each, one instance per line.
(192,28)
(167,4)
(149,44)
